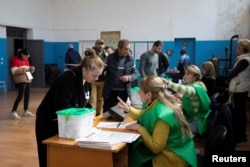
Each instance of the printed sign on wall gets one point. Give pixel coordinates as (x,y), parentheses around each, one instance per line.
(111,38)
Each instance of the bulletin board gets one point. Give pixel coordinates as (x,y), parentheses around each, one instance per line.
(111,38)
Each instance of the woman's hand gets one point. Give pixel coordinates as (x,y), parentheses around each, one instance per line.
(178,96)
(122,105)
(134,126)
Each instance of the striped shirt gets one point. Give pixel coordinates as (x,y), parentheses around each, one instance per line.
(188,91)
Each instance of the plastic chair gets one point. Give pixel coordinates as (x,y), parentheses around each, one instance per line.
(3,85)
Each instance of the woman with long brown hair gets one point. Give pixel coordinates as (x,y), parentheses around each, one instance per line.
(166,139)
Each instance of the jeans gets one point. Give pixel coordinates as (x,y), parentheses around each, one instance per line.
(23,90)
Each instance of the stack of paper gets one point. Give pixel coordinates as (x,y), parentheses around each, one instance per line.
(98,144)
(106,140)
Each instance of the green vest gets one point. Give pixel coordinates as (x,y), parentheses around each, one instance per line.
(203,111)
(180,144)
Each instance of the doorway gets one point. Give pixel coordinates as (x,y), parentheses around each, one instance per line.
(185,43)
(16,39)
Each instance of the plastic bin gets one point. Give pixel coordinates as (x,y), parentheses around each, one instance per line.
(74,123)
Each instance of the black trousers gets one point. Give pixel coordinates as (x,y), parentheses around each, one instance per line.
(239,117)
(23,91)
(45,128)
(112,99)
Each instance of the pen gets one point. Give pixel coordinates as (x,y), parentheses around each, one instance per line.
(118,125)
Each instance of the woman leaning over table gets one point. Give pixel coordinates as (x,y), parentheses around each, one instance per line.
(166,139)
(71,89)
(194,99)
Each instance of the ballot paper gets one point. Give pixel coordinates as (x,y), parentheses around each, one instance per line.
(120,125)
(106,140)
(29,75)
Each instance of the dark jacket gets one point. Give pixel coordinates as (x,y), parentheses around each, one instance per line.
(210,84)
(66,91)
(162,63)
(103,56)
(111,73)
(72,57)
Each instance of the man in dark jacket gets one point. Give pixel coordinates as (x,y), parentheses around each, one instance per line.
(72,57)
(120,71)
(162,64)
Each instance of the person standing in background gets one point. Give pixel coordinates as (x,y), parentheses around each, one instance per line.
(108,50)
(209,77)
(162,64)
(21,70)
(239,86)
(120,72)
(72,57)
(96,99)
(71,89)
(149,60)
(183,62)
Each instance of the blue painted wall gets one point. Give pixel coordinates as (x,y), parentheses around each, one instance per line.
(4,64)
(54,53)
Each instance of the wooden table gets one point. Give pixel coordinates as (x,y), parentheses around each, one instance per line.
(65,153)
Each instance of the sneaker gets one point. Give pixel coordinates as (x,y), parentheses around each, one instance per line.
(28,114)
(14,115)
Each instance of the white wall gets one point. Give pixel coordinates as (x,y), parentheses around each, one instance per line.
(30,14)
(2,32)
(138,20)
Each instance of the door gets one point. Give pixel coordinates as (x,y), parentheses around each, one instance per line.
(36,48)
(10,52)
(185,43)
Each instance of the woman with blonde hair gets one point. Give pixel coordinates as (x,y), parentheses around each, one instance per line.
(166,139)
(194,99)
(239,87)
(71,89)
(209,77)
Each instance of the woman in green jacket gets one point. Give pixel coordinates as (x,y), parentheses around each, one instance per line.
(166,139)
(194,99)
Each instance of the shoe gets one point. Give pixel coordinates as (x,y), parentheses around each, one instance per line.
(28,114)
(14,115)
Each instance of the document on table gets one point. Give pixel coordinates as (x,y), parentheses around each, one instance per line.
(106,140)
(120,125)
(105,136)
